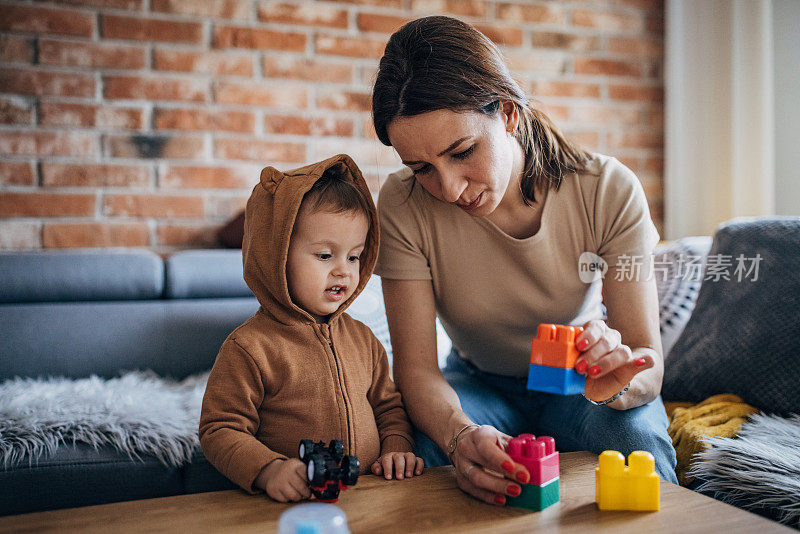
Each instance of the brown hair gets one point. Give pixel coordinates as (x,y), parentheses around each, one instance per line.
(335,193)
(440,62)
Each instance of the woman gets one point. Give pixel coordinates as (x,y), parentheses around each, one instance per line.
(486,228)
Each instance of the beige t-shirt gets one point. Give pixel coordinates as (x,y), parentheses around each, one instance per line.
(492,290)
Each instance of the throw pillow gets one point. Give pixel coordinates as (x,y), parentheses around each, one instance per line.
(740,338)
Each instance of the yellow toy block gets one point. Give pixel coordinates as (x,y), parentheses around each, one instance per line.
(635,487)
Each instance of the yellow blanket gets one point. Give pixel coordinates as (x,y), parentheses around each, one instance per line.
(718,416)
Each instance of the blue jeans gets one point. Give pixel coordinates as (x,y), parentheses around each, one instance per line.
(575,424)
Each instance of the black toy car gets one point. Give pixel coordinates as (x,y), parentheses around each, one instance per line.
(329,470)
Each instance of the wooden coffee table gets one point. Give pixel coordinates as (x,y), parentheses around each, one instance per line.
(429,503)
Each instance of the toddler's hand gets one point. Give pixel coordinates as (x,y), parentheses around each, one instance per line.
(402,464)
(286,480)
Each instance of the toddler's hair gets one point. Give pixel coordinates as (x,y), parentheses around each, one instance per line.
(335,193)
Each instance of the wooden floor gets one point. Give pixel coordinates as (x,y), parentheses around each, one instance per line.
(429,503)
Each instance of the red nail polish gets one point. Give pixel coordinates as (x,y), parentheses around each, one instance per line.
(640,362)
(582,344)
(508,466)
(594,370)
(499,499)
(581,366)
(522,477)
(513,491)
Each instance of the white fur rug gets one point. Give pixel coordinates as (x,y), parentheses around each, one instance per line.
(137,413)
(758,469)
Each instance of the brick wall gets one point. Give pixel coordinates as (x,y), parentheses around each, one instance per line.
(146,122)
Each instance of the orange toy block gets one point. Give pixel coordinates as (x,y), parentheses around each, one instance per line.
(554,346)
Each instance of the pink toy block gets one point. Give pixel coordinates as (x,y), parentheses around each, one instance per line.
(538,455)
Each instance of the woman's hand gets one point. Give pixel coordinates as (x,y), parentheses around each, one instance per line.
(608,364)
(483,448)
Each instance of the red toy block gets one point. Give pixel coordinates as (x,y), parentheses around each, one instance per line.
(538,455)
(554,346)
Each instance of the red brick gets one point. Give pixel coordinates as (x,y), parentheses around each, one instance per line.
(218,63)
(656,118)
(48,143)
(565,89)
(130,5)
(95,235)
(61,114)
(600,114)
(20,235)
(15,110)
(302,14)
(224,207)
(395,4)
(372,22)
(607,67)
(647,5)
(286,66)
(16,173)
(654,166)
(241,37)
(261,94)
(150,146)
(173,235)
(538,61)
(636,92)
(566,41)
(47,20)
(608,22)
(350,46)
(223,9)
(503,36)
(636,140)
(206,177)
(46,205)
(119,118)
(365,152)
(531,13)
(194,119)
(160,206)
(643,47)
(368,129)
(655,24)
(468,8)
(155,88)
(91,55)
(14,48)
(312,126)
(141,29)
(344,100)
(88,115)
(586,140)
(555,113)
(35,82)
(90,175)
(261,151)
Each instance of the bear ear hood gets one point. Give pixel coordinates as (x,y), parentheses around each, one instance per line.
(269,220)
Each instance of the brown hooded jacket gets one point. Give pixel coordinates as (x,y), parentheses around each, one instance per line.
(281,377)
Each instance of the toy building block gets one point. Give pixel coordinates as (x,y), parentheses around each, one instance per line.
(536,498)
(635,487)
(554,346)
(555,380)
(538,455)
(540,458)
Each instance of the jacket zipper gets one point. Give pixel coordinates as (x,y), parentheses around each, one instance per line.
(329,339)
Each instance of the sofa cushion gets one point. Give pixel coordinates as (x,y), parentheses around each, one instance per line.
(59,276)
(79,475)
(174,338)
(205,274)
(740,338)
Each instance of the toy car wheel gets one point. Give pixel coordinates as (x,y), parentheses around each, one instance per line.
(316,470)
(350,470)
(337,449)
(306,449)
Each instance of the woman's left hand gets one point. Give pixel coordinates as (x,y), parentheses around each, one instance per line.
(608,364)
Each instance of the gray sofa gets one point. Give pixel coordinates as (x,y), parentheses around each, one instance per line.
(80,313)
